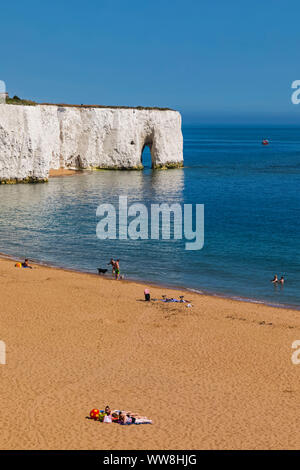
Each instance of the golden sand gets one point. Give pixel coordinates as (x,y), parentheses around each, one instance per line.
(62,172)
(218,375)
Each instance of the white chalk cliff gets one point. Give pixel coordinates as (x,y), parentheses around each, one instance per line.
(35,139)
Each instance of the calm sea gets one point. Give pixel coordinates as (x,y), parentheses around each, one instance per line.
(252,216)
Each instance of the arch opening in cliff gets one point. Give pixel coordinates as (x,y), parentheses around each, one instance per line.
(146,157)
(147,153)
(74,162)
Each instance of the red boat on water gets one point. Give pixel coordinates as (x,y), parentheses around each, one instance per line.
(265,142)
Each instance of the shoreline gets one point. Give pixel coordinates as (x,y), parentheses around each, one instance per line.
(143,282)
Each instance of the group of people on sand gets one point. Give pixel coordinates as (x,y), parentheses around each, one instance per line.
(25,264)
(115,268)
(275,280)
(122,417)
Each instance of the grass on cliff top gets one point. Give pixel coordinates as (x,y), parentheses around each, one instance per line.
(17,100)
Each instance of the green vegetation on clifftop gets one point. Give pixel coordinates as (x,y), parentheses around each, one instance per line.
(19,101)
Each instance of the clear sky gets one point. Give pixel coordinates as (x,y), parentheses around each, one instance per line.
(215,61)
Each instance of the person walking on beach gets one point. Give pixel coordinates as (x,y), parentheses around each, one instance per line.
(117,269)
(113,264)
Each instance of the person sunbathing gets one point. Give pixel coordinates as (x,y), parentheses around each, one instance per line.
(109,416)
(133,418)
(122,417)
(115,417)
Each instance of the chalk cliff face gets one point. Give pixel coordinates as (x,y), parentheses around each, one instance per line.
(35,139)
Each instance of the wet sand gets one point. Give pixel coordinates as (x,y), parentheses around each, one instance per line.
(215,376)
(62,172)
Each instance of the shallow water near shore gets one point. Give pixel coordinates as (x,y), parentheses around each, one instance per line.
(252,223)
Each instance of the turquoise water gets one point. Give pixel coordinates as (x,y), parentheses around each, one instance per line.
(252,223)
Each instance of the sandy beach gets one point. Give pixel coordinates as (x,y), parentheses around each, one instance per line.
(215,376)
(62,172)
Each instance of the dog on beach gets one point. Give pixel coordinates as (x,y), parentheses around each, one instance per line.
(102,271)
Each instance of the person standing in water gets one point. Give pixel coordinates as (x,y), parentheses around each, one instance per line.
(275,279)
(281,280)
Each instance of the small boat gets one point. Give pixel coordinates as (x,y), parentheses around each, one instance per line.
(265,142)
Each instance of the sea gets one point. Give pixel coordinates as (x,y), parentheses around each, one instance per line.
(251,199)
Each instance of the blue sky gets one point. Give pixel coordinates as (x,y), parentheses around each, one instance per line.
(215,61)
